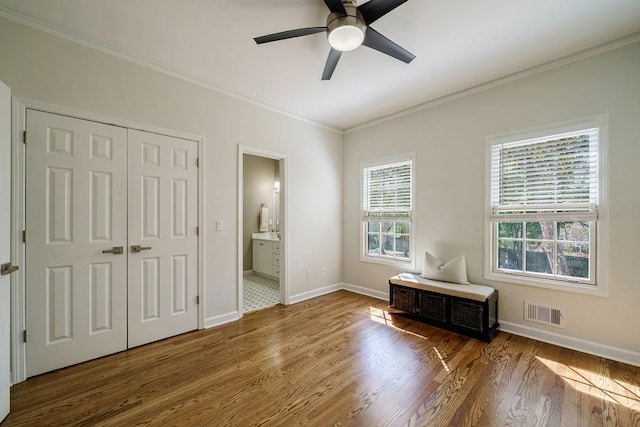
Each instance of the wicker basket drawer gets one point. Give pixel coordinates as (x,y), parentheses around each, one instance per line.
(477,319)
(432,306)
(466,314)
(403,299)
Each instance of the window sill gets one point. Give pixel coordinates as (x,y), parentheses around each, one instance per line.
(408,266)
(573,287)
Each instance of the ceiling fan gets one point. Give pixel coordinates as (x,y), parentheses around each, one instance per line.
(348,26)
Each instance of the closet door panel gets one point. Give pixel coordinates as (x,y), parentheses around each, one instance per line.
(76,208)
(163,224)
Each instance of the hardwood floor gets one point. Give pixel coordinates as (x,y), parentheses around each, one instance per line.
(334,360)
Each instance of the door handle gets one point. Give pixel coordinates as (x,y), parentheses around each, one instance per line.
(7,269)
(116,250)
(137,248)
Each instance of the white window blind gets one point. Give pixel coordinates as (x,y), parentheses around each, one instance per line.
(387,191)
(543,178)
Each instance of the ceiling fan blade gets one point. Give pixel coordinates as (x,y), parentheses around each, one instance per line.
(335,6)
(332,61)
(375,9)
(289,34)
(377,41)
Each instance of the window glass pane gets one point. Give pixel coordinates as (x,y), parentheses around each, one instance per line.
(573,260)
(540,257)
(540,230)
(387,227)
(373,244)
(577,231)
(386,244)
(510,255)
(402,228)
(373,227)
(402,246)
(510,229)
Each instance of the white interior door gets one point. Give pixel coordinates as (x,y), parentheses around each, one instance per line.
(76,209)
(163,219)
(5,225)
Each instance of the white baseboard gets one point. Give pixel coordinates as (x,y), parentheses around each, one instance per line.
(365,291)
(585,346)
(221,319)
(247,272)
(315,293)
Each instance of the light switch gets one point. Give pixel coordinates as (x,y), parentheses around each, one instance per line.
(219,225)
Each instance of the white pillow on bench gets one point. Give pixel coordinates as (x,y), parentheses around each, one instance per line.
(454,271)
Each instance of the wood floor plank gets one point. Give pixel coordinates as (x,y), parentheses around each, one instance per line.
(478,407)
(336,360)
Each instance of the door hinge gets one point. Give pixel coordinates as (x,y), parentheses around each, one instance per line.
(198,163)
(198,299)
(24,336)
(24,236)
(197,230)
(24,136)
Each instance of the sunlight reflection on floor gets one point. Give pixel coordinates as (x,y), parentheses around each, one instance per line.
(383,317)
(597,385)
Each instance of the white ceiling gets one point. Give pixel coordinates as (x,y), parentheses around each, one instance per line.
(458,43)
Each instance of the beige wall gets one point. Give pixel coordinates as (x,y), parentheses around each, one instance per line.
(45,68)
(259,174)
(449,141)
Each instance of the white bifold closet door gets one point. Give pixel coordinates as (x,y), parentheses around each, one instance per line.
(93,192)
(162,222)
(76,208)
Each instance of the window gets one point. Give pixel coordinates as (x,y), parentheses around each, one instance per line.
(544,203)
(387,211)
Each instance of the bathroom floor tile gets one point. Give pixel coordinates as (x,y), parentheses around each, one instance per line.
(259,292)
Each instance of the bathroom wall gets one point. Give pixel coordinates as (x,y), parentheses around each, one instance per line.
(258,175)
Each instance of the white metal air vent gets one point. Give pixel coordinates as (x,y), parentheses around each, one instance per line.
(544,314)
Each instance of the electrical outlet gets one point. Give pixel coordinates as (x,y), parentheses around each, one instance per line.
(308,274)
(219,225)
(324,271)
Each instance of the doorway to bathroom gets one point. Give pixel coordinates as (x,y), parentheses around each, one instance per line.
(261,229)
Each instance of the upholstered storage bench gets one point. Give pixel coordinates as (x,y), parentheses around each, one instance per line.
(471,310)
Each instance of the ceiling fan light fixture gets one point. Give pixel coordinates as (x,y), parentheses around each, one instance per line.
(347,29)
(346,38)
(346,32)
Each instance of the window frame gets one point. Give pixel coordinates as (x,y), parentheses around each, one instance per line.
(380,259)
(599,228)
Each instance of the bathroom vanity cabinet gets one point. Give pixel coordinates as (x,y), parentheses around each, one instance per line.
(266,257)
